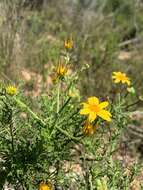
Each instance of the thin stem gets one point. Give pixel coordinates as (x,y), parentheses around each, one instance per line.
(12,137)
(133,104)
(58,97)
(66,103)
(24,106)
(67,134)
(90,181)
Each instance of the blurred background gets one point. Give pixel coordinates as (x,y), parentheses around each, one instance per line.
(107,35)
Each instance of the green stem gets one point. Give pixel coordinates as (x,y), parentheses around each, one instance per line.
(66,134)
(133,104)
(58,97)
(24,106)
(66,103)
(90,181)
(12,138)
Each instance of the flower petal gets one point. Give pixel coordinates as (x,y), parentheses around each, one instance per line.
(114,77)
(128,82)
(116,81)
(92,116)
(84,111)
(104,114)
(115,73)
(104,104)
(93,100)
(85,105)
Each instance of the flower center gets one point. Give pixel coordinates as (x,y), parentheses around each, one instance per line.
(122,77)
(95,108)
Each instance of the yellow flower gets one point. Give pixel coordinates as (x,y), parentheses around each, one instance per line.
(45,186)
(68,44)
(121,77)
(61,70)
(11,90)
(94,108)
(88,128)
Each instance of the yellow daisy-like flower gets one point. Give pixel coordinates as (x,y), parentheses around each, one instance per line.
(45,186)
(88,128)
(94,108)
(11,90)
(68,44)
(61,70)
(121,77)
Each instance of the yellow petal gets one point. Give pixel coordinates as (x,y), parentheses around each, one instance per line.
(92,116)
(93,100)
(114,77)
(116,81)
(85,105)
(115,73)
(104,104)
(84,111)
(104,114)
(128,82)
